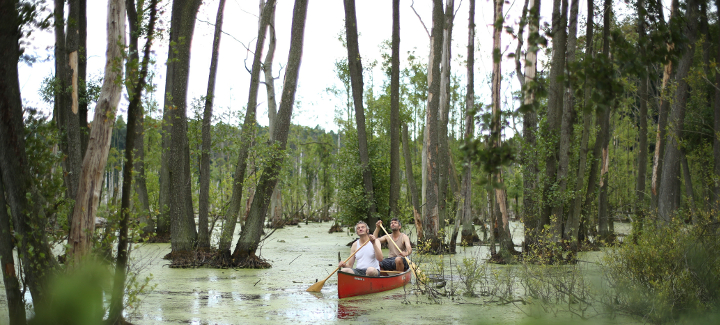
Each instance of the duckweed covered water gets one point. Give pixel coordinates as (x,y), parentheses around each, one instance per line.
(300,256)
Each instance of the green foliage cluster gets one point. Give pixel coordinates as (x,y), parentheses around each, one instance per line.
(661,274)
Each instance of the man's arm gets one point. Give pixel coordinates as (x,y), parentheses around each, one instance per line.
(408,247)
(378,251)
(376,232)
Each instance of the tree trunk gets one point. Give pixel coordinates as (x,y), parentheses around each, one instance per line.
(88,196)
(244,254)
(443,114)
(642,132)
(688,187)
(663,112)
(118,295)
(573,223)
(276,200)
(554,118)
(28,219)
(412,188)
(395,114)
(15,303)
(204,200)
(82,79)
(467,237)
(603,205)
(431,217)
(356,80)
(715,199)
(134,85)
(566,128)
(669,197)
(529,158)
(248,131)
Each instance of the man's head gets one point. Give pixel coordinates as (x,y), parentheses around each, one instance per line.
(361,228)
(395,224)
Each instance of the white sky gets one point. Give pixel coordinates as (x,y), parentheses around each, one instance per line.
(325,21)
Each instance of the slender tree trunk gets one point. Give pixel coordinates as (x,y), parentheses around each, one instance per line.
(443,114)
(468,230)
(82,78)
(412,188)
(603,205)
(568,119)
(642,132)
(248,131)
(503,227)
(669,196)
(395,114)
(663,111)
(573,223)
(688,187)
(15,303)
(356,80)
(134,85)
(244,254)
(204,201)
(276,200)
(530,166)
(431,217)
(88,196)
(554,117)
(715,198)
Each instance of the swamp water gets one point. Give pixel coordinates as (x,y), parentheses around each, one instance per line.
(300,256)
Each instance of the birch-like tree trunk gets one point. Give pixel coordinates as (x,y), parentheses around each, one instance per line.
(467,237)
(88,195)
(443,114)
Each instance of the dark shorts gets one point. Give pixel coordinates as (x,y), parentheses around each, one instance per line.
(360,271)
(388,264)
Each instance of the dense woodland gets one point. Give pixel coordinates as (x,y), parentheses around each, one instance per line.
(618,120)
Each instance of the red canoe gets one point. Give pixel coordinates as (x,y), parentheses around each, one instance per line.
(355,285)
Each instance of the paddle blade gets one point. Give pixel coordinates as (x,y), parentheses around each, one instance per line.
(316,287)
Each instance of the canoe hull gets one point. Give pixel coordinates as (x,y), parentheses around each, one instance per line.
(350,285)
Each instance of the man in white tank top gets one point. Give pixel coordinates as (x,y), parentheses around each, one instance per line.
(396,261)
(368,257)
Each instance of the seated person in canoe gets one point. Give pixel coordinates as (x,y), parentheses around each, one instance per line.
(396,261)
(368,257)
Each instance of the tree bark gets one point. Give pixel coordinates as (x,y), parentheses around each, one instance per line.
(573,223)
(28,219)
(15,303)
(204,200)
(669,196)
(642,132)
(529,159)
(88,196)
(603,205)
(663,111)
(82,78)
(395,114)
(467,237)
(244,254)
(356,80)
(689,196)
(554,118)
(246,138)
(431,217)
(443,114)
(715,199)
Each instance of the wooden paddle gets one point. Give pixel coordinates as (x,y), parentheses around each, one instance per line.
(318,285)
(412,265)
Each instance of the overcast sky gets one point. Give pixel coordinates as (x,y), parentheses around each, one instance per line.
(325,21)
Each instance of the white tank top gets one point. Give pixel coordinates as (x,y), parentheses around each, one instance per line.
(365,257)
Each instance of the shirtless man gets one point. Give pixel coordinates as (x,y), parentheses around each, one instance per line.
(396,261)
(368,257)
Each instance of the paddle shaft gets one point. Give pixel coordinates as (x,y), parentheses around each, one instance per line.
(347,259)
(398,248)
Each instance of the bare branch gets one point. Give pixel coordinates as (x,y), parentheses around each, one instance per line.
(421,21)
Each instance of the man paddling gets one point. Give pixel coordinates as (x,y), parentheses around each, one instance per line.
(396,261)
(368,257)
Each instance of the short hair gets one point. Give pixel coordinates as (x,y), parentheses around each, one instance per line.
(361,222)
(398,221)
